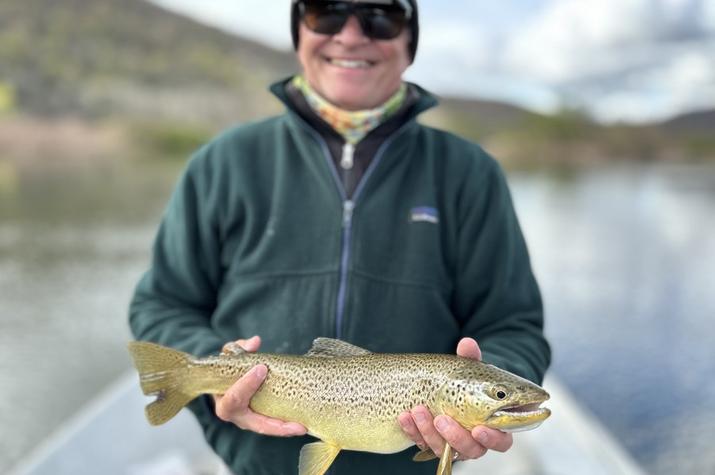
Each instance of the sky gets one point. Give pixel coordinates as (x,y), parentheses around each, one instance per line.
(619,60)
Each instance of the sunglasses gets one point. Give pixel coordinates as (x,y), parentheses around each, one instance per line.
(378,22)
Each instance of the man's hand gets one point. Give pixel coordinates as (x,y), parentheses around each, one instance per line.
(426,431)
(233,406)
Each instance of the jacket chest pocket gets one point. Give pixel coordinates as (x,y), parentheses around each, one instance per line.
(411,249)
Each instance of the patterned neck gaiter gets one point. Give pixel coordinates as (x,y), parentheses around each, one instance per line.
(352,125)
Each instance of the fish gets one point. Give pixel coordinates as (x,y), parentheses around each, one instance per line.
(347,397)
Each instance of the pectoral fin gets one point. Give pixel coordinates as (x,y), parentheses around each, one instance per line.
(445,463)
(233,349)
(316,458)
(424,455)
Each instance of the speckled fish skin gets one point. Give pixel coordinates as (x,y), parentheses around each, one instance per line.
(354,401)
(346,396)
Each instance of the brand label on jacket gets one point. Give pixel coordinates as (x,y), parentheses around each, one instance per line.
(424,214)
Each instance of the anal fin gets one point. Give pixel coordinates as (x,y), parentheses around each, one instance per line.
(445,463)
(316,458)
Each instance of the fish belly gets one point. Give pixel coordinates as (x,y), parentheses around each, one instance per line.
(379,437)
(344,426)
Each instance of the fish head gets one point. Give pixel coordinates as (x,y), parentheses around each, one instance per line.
(483,394)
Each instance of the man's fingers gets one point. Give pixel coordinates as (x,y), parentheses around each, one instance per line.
(408,427)
(251,344)
(268,426)
(239,395)
(239,346)
(459,438)
(233,406)
(424,422)
(493,439)
(468,348)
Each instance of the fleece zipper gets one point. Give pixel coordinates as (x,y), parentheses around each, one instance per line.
(348,211)
(348,207)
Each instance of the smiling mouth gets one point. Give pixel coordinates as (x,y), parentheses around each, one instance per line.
(350,63)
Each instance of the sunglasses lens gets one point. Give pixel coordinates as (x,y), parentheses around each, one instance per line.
(381,23)
(377,22)
(324,17)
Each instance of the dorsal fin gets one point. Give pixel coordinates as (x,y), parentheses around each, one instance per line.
(330,347)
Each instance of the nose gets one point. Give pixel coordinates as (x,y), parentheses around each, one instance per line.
(352,33)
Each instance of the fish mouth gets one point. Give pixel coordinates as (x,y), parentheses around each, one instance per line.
(519,417)
(532,410)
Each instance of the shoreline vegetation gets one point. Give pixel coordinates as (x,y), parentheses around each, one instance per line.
(560,141)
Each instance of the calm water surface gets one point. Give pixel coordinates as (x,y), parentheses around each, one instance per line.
(625,257)
(626,260)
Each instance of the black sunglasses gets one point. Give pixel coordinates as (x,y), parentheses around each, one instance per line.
(379,22)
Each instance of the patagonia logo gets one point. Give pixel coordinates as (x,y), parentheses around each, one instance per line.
(424,214)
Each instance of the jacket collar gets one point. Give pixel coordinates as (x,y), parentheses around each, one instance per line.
(425,99)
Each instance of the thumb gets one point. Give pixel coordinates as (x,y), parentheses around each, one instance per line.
(468,348)
(249,344)
(238,396)
(252,344)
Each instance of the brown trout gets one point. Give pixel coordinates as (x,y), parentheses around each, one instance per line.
(346,396)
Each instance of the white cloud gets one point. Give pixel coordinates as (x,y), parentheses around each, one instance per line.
(622,59)
(465,48)
(573,38)
(692,69)
(685,81)
(459,55)
(709,14)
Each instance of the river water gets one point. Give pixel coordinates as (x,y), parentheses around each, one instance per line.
(625,257)
(626,260)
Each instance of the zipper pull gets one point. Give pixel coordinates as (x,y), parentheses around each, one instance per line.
(347,159)
(348,207)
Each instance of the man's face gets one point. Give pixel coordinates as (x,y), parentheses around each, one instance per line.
(349,69)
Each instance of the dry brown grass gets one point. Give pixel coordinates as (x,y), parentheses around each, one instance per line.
(66,142)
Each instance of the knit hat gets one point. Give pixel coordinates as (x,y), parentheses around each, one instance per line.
(414,23)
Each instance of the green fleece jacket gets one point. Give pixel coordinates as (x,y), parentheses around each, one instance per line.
(260,238)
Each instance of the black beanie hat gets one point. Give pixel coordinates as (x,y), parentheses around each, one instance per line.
(414,25)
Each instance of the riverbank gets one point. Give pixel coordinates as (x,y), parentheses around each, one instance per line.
(532,143)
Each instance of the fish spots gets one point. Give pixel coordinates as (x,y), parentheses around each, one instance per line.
(366,389)
(372,387)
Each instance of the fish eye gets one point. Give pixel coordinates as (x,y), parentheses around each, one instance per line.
(499,393)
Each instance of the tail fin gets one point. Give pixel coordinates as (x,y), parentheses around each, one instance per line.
(161,372)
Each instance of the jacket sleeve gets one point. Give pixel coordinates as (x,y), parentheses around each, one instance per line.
(497,298)
(175,299)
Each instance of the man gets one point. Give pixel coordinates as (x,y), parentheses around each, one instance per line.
(343,217)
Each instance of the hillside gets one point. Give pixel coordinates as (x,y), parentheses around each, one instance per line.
(104,57)
(693,122)
(477,118)
(175,82)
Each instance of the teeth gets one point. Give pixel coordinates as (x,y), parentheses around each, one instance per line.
(350,63)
